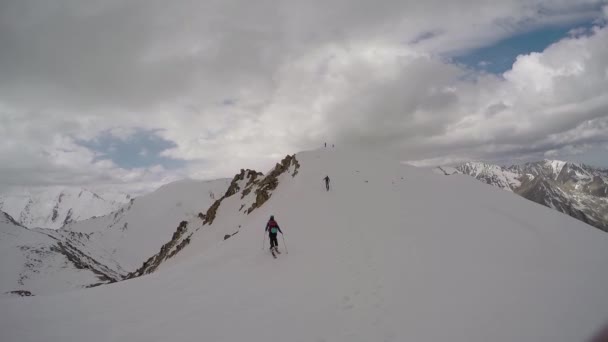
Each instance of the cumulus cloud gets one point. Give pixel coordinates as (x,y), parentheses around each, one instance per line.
(233,84)
(558,96)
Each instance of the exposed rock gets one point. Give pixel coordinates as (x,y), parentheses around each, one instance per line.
(270,182)
(597,187)
(234,188)
(82,261)
(574,189)
(55,213)
(167,251)
(12,220)
(212,211)
(68,217)
(180,246)
(228,236)
(263,190)
(22,293)
(296,164)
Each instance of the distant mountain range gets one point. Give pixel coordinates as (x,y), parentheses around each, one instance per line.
(54,207)
(98,250)
(578,190)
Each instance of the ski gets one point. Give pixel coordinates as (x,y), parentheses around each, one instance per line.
(273,255)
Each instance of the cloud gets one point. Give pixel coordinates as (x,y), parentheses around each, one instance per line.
(229,85)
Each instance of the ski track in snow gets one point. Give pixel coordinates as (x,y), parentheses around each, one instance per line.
(391,253)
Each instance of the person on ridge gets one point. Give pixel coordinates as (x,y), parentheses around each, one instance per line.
(326,179)
(272,227)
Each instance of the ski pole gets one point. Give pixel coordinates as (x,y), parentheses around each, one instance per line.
(284,244)
(263,241)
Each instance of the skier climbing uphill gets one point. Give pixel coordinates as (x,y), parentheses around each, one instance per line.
(272,227)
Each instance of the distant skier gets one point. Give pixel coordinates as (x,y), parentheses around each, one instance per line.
(272,227)
(325,145)
(326,179)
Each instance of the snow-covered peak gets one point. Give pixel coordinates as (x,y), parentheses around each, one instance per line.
(101,249)
(53,207)
(575,189)
(555,166)
(136,231)
(491,174)
(477,168)
(34,262)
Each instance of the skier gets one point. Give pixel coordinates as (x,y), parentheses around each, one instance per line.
(326,179)
(272,227)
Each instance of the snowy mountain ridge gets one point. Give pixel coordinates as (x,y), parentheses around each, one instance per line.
(98,250)
(35,261)
(578,190)
(390,253)
(54,207)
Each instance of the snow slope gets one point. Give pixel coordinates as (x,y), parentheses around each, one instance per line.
(492,174)
(578,190)
(391,253)
(102,249)
(135,232)
(32,262)
(52,207)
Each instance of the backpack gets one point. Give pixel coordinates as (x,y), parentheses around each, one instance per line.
(273,226)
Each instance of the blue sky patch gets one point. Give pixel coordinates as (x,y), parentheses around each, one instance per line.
(141,149)
(500,56)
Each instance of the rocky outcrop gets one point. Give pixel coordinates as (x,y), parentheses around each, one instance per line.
(597,187)
(574,189)
(167,251)
(68,217)
(547,193)
(271,181)
(244,182)
(212,211)
(181,238)
(21,293)
(10,219)
(81,260)
(234,188)
(228,236)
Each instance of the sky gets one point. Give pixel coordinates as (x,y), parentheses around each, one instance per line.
(132,94)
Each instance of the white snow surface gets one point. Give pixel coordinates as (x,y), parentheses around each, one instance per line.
(391,253)
(491,174)
(51,207)
(131,235)
(556,166)
(120,241)
(28,261)
(445,170)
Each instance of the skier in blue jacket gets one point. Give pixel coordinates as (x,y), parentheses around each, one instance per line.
(272,227)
